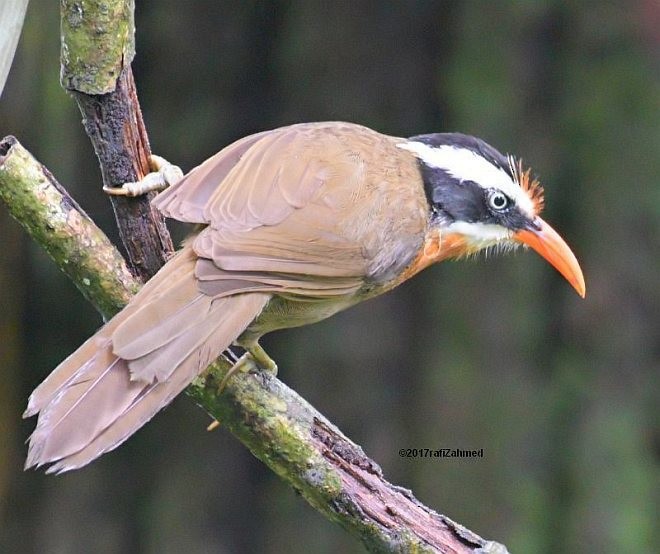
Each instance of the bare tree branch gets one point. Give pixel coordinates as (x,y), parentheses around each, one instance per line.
(58,224)
(97,49)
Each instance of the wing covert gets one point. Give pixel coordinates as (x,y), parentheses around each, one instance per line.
(305,202)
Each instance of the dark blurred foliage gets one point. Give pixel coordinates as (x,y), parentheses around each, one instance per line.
(499,354)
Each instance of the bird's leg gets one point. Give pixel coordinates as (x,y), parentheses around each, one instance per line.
(163,174)
(255,355)
(262,358)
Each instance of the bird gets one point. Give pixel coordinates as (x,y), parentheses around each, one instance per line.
(293,225)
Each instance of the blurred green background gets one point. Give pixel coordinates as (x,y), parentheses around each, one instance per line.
(499,354)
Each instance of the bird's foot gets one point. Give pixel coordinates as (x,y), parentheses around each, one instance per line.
(244,363)
(163,174)
(255,356)
(262,358)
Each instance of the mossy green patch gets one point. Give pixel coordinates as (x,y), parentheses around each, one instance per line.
(98,40)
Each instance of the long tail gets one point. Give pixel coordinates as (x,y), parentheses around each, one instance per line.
(133,366)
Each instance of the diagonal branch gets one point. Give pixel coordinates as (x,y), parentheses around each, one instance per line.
(278,426)
(60,226)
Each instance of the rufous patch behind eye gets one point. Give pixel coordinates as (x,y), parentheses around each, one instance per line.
(530,185)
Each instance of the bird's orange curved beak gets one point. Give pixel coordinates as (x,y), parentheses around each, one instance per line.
(549,245)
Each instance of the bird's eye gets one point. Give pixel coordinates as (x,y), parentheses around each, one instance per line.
(498,201)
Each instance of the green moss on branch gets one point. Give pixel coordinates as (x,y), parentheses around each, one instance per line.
(78,247)
(98,40)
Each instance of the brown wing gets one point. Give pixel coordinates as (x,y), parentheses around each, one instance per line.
(186,200)
(308,207)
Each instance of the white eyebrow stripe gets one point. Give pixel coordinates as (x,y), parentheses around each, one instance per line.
(466,165)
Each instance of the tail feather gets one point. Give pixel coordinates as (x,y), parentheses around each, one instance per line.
(63,374)
(81,411)
(159,363)
(156,396)
(114,383)
(159,323)
(177,268)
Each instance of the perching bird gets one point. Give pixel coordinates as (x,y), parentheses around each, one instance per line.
(299,223)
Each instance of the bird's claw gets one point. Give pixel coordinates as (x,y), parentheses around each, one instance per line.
(255,357)
(213,425)
(243,364)
(163,174)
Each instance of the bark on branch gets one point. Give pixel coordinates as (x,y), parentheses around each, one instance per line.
(97,49)
(58,224)
(278,426)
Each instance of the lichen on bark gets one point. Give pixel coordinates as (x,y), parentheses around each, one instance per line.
(98,40)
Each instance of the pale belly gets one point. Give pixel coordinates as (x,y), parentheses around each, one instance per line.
(294,311)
